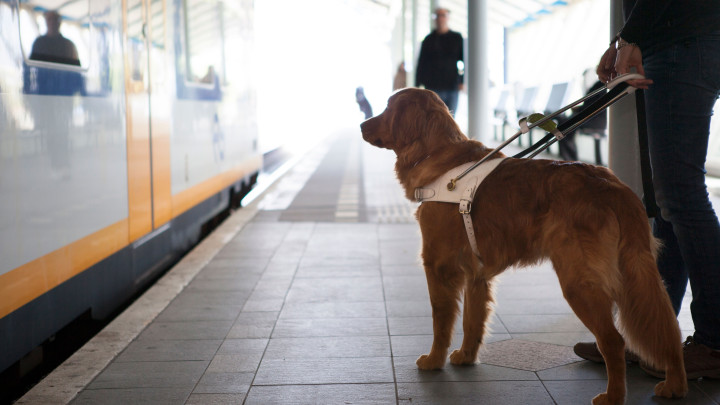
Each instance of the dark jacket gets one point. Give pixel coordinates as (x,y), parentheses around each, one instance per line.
(657,24)
(437,65)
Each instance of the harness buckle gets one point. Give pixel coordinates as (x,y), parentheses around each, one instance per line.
(465,206)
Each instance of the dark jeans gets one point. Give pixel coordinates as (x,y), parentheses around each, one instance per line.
(450,98)
(679,106)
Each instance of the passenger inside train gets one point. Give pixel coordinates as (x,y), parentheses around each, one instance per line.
(53,46)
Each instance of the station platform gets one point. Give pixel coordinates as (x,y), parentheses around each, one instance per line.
(314,294)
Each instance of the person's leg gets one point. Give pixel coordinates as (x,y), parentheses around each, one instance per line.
(452,101)
(679,107)
(450,98)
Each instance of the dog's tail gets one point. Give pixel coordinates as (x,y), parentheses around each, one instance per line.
(646,317)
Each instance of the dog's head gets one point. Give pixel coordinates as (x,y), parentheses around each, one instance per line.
(415,123)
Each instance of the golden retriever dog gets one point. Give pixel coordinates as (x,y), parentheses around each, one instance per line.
(582,218)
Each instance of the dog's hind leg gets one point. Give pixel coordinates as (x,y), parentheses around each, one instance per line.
(594,308)
(444,285)
(477,310)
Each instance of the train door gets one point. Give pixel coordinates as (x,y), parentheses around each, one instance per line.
(147,133)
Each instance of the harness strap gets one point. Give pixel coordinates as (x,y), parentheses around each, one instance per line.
(465,208)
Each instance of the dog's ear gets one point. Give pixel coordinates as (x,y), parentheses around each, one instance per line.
(424,124)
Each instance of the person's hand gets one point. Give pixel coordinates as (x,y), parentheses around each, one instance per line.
(606,68)
(461,87)
(627,58)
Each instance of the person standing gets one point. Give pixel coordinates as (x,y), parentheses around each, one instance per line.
(437,67)
(53,46)
(675,44)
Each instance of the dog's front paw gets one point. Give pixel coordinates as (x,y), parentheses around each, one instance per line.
(427,362)
(461,358)
(664,389)
(604,399)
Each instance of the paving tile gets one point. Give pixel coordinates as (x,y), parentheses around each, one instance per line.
(401,288)
(542,323)
(423,325)
(639,391)
(197,330)
(307,310)
(253,325)
(322,394)
(339,259)
(263,305)
(561,338)
(416,325)
(711,388)
(399,252)
(176,312)
(399,231)
(416,345)
(235,363)
(407,371)
(245,249)
(540,306)
(415,269)
(581,370)
(524,355)
(229,274)
(215,399)
(270,290)
(318,271)
(224,383)
(168,374)
(338,289)
(330,327)
(237,283)
(254,264)
(324,371)
(410,307)
(139,396)
(243,346)
(169,350)
(201,298)
(328,347)
(238,356)
(486,393)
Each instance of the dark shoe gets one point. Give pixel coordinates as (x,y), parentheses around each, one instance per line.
(700,362)
(590,351)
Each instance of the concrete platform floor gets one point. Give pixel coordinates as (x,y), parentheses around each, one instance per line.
(313,294)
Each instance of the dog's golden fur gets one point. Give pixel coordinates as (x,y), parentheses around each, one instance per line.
(580,217)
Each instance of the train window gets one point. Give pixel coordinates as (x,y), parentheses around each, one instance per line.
(60,36)
(204,41)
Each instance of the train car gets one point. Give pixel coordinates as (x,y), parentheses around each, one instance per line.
(125,127)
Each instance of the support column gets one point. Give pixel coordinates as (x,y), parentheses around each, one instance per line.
(623,147)
(476,71)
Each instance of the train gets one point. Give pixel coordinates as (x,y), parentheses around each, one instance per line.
(125,129)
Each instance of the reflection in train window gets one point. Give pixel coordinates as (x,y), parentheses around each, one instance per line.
(56,35)
(204,41)
(136,40)
(239,42)
(157,23)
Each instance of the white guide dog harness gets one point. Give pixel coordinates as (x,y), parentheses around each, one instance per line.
(462,194)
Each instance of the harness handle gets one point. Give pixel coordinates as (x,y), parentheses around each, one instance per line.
(623,78)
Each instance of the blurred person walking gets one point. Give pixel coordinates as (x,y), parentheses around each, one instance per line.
(437,67)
